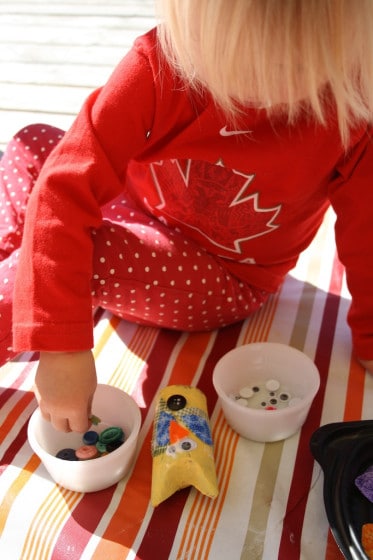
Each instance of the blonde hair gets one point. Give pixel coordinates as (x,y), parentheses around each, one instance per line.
(318,54)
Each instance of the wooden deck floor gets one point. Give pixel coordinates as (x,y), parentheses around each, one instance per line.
(53,54)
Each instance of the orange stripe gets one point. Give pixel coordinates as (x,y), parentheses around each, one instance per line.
(355,392)
(34,538)
(14,415)
(131,361)
(232,442)
(189,358)
(353,409)
(203,508)
(332,550)
(115,542)
(57,506)
(15,489)
(258,327)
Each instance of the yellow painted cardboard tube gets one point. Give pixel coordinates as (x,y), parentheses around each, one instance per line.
(182,446)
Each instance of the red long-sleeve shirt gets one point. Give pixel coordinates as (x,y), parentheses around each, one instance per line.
(253,195)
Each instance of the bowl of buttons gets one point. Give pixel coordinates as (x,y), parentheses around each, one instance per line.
(100,457)
(266,389)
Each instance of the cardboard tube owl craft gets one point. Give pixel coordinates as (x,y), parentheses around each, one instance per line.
(182,447)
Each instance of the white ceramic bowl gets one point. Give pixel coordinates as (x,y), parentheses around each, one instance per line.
(253,365)
(115,408)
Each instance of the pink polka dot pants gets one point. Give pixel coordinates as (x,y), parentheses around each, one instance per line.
(144,271)
(150,274)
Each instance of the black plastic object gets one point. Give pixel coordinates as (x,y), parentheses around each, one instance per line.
(344,450)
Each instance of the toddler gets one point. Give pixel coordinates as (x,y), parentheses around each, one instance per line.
(189,184)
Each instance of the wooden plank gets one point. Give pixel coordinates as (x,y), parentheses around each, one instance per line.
(63,54)
(13,121)
(52,54)
(23,73)
(86,8)
(51,99)
(42,32)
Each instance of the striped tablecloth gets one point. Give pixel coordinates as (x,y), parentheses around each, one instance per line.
(270,503)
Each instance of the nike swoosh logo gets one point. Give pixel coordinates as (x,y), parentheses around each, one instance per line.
(225,132)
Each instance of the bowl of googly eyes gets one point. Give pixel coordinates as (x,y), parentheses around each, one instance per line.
(98,458)
(266,389)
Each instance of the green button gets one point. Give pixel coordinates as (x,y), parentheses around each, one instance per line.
(101,447)
(110,435)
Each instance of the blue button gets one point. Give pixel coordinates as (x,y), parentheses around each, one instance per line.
(67,454)
(90,438)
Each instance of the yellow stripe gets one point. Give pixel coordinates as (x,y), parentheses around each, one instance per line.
(15,488)
(48,521)
(205,512)
(132,360)
(108,331)
(57,505)
(259,324)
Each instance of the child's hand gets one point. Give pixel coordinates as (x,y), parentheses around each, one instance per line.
(368,365)
(64,386)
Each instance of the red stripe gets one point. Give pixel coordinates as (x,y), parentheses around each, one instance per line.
(157,362)
(7,393)
(290,545)
(159,537)
(13,449)
(90,510)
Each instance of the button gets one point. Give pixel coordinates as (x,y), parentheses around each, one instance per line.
(101,447)
(110,435)
(87,452)
(241,402)
(90,438)
(114,445)
(176,402)
(246,392)
(272,385)
(67,454)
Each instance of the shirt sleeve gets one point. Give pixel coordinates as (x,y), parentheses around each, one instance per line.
(52,297)
(352,199)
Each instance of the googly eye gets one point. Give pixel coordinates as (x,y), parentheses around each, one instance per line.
(185,444)
(188,444)
(256,389)
(272,401)
(171,450)
(284,396)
